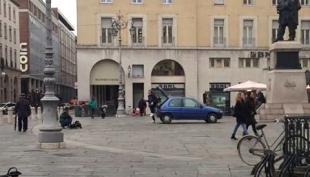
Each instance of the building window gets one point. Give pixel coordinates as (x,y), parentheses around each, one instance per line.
(0,51)
(14,36)
(14,15)
(219,62)
(106,36)
(168,68)
(219,2)
(0,28)
(167,1)
(248,62)
(9,12)
(274,30)
(274,2)
(137,71)
(305,32)
(248,2)
(248,39)
(5,31)
(6,55)
(106,1)
(304,62)
(305,2)
(4,8)
(10,34)
(218,38)
(167,37)
(11,57)
(137,38)
(136,1)
(0,6)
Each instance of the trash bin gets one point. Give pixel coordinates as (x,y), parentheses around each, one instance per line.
(78,111)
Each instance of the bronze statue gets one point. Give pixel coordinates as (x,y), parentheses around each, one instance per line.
(288,17)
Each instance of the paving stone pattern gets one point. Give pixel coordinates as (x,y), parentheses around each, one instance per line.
(130,147)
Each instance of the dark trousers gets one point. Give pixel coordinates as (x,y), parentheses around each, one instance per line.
(142,111)
(66,122)
(253,128)
(22,123)
(291,29)
(92,112)
(152,109)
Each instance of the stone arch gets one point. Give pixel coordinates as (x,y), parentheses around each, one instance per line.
(168,67)
(106,72)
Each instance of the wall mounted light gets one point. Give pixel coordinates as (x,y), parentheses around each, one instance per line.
(129,70)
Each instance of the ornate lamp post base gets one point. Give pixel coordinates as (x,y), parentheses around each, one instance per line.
(50,135)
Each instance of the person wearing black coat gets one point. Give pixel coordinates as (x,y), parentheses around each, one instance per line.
(152,100)
(251,106)
(22,110)
(241,113)
(142,105)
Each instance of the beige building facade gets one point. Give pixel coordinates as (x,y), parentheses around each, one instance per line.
(186,48)
(9,51)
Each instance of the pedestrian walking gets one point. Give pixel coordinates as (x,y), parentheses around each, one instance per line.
(142,106)
(152,100)
(241,113)
(22,110)
(93,106)
(251,121)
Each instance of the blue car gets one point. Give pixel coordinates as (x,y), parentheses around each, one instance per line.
(185,108)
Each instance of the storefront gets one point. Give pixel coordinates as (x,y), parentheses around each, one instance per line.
(171,89)
(219,98)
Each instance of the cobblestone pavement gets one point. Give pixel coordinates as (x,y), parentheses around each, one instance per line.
(130,147)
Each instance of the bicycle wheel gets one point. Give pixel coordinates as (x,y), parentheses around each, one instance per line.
(251,150)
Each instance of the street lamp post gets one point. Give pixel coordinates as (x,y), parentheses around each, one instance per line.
(118,25)
(50,135)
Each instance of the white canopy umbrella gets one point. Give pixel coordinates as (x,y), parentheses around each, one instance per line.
(248,85)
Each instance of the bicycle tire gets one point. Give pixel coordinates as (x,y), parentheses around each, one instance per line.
(246,139)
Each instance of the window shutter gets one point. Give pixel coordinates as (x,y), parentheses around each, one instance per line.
(137,22)
(305,25)
(167,21)
(219,22)
(106,22)
(248,23)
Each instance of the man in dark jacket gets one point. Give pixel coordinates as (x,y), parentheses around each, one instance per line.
(152,100)
(22,110)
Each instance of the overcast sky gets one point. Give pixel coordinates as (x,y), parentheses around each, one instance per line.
(68,9)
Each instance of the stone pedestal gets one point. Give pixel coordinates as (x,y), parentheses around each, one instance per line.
(286,88)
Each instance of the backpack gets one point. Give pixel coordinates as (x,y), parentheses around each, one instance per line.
(75,125)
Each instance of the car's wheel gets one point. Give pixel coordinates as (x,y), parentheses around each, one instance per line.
(166,118)
(211,118)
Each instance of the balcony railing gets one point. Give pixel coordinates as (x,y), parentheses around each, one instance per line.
(138,43)
(219,41)
(248,42)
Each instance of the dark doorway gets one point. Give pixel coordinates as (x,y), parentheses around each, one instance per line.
(106,94)
(138,93)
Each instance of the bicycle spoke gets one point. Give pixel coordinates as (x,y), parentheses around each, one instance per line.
(251,150)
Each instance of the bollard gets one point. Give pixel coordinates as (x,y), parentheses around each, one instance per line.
(33,113)
(10,115)
(1,116)
(39,113)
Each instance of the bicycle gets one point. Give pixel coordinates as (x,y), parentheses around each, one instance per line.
(261,146)
(130,111)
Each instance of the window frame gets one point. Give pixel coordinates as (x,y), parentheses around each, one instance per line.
(136,1)
(197,104)
(166,1)
(242,62)
(165,27)
(213,62)
(249,39)
(180,99)
(246,2)
(219,41)
(105,1)
(218,4)
(107,32)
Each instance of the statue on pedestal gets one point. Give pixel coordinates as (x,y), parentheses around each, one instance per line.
(288,17)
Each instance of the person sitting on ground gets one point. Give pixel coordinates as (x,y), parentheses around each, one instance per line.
(65,119)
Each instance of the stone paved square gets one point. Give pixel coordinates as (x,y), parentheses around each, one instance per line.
(130,147)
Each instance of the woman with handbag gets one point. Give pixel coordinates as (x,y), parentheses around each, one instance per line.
(241,112)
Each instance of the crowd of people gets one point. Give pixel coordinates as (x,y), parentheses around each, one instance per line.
(245,111)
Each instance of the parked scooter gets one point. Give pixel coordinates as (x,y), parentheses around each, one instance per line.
(103,111)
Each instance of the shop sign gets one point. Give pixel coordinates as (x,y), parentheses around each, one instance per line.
(23,57)
(106,79)
(169,86)
(218,85)
(259,54)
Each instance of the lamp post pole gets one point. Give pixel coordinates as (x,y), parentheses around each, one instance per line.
(50,135)
(117,26)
